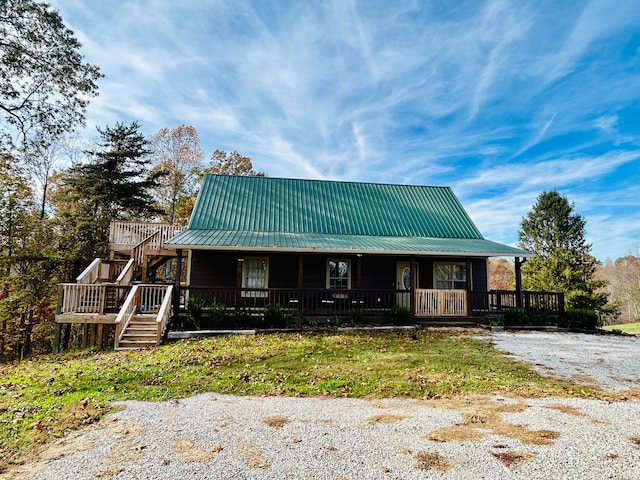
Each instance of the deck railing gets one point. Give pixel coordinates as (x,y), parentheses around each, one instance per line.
(164,314)
(128,310)
(534,303)
(441,303)
(94,298)
(101,270)
(301,302)
(145,299)
(323,302)
(133,233)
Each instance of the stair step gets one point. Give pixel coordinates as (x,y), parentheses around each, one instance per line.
(139,336)
(138,341)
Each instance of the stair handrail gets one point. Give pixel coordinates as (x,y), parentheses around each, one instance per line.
(126,276)
(164,314)
(91,273)
(128,310)
(137,252)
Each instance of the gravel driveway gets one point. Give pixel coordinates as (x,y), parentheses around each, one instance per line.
(213,436)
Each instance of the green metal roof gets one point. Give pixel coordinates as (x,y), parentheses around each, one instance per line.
(265,213)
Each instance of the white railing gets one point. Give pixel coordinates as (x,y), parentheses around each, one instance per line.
(133,233)
(83,298)
(162,320)
(128,310)
(145,299)
(151,298)
(441,303)
(125,276)
(102,270)
(91,273)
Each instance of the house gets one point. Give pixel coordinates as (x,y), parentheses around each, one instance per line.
(313,249)
(327,248)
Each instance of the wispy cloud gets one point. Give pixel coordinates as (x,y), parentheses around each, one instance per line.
(499,99)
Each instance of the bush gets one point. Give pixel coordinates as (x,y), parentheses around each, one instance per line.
(194,311)
(355,316)
(582,318)
(274,315)
(515,316)
(218,313)
(400,315)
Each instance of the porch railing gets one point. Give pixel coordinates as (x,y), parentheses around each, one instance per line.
(101,270)
(132,233)
(92,298)
(534,303)
(428,302)
(441,303)
(312,302)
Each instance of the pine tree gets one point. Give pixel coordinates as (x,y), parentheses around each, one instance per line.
(563,260)
(114,185)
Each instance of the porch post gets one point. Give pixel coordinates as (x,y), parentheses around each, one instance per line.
(359,271)
(300,283)
(518,265)
(413,283)
(176,285)
(469,285)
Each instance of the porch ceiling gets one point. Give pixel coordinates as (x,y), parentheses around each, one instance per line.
(346,244)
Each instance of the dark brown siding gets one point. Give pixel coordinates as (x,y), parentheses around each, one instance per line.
(213,269)
(283,271)
(479,267)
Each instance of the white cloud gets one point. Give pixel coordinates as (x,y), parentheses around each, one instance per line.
(498,99)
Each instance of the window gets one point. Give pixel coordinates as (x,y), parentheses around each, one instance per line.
(338,274)
(450,276)
(255,273)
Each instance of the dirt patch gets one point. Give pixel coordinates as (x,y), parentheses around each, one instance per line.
(565,409)
(510,459)
(432,461)
(386,419)
(482,415)
(251,454)
(190,453)
(455,433)
(276,421)
(635,440)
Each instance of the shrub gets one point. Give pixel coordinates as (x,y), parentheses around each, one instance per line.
(400,315)
(582,318)
(274,314)
(218,313)
(515,316)
(355,316)
(194,310)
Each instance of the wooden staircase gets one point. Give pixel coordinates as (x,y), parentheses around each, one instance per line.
(141,332)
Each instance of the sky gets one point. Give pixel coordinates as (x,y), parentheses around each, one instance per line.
(500,100)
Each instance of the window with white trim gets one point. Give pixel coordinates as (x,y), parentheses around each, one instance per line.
(338,274)
(450,276)
(255,272)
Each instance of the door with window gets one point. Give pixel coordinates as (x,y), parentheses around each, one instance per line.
(403,283)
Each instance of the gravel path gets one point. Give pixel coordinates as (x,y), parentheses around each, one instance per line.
(213,436)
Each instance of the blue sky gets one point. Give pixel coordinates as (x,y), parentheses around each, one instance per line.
(501,100)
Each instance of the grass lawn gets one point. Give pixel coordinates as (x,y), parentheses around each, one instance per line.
(48,396)
(633,328)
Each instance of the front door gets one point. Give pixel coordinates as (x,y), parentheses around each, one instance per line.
(403,283)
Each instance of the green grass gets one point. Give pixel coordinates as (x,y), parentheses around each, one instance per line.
(48,396)
(633,328)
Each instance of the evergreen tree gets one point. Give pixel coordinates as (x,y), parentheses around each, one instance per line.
(114,185)
(562,261)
